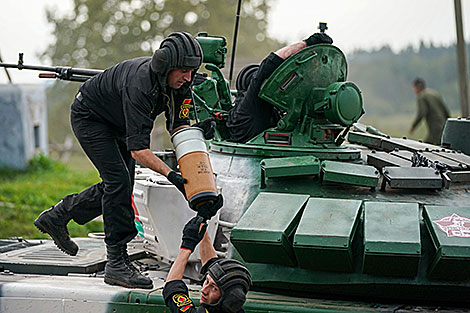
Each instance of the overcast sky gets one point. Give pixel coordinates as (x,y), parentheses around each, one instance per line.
(357,24)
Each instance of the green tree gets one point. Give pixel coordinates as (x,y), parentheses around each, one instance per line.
(99,33)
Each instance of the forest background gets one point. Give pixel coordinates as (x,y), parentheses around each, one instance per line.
(98,34)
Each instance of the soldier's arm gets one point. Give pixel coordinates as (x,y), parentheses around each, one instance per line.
(193,232)
(177,269)
(178,128)
(291,49)
(317,38)
(148,159)
(422,111)
(206,249)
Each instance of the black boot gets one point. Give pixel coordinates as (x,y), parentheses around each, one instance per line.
(118,272)
(128,262)
(54,222)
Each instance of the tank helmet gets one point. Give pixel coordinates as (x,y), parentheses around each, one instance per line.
(178,50)
(245,76)
(234,281)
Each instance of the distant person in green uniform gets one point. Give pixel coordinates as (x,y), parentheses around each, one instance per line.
(432,108)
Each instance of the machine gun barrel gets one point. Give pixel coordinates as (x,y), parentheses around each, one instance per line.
(58,72)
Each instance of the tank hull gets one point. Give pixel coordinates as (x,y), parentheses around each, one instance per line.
(240,178)
(38,294)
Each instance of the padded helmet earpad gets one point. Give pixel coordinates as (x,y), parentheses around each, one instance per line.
(245,76)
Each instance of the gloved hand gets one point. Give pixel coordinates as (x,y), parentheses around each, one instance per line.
(207,126)
(318,38)
(199,78)
(210,208)
(191,233)
(177,180)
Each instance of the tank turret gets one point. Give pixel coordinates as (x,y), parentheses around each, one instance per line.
(322,204)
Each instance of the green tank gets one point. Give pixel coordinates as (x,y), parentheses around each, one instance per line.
(329,215)
(323,205)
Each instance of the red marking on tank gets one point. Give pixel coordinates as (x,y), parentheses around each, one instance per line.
(454,226)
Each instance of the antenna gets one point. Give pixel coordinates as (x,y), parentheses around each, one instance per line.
(6,71)
(234,45)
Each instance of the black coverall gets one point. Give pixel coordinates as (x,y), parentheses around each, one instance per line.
(177,298)
(112,115)
(251,115)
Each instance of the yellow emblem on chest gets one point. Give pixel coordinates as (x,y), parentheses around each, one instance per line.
(184,108)
(182,301)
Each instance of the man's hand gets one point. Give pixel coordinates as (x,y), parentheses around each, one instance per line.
(318,38)
(199,78)
(193,233)
(210,208)
(207,126)
(177,180)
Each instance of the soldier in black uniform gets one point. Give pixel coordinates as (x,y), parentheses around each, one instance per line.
(112,117)
(226,281)
(251,115)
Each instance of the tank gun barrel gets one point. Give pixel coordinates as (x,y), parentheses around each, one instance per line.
(58,72)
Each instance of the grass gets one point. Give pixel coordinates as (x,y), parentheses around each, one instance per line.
(25,194)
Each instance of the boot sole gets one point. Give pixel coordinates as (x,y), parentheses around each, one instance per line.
(44,229)
(116,282)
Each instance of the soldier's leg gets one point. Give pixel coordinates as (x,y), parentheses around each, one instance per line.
(112,197)
(81,207)
(109,154)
